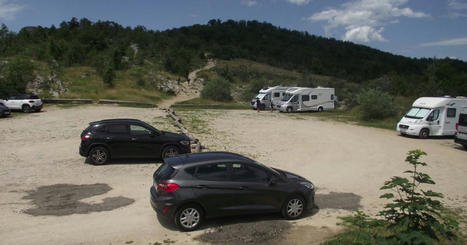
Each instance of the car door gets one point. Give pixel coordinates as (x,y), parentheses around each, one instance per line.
(144,142)
(118,140)
(257,193)
(215,190)
(11,102)
(450,121)
(434,122)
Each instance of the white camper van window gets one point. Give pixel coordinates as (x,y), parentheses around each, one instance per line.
(434,115)
(294,99)
(277,95)
(267,97)
(417,113)
(286,97)
(314,97)
(305,98)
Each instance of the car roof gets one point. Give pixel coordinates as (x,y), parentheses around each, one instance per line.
(117,120)
(206,157)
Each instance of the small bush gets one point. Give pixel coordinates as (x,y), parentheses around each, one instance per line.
(375,104)
(217,89)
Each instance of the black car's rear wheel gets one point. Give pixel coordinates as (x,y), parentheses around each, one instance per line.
(293,207)
(189,217)
(99,155)
(170,151)
(26,108)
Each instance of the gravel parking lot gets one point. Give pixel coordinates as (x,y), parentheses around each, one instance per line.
(49,195)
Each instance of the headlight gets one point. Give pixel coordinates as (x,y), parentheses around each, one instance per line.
(308,185)
(185,142)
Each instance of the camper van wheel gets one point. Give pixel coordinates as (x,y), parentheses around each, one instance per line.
(320,109)
(424,133)
(289,109)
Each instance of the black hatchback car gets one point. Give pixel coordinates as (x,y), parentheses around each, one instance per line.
(129,138)
(189,188)
(4,111)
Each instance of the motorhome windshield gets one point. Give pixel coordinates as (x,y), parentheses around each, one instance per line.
(417,112)
(286,97)
(260,96)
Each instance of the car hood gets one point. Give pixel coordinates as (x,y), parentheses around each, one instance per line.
(175,136)
(290,176)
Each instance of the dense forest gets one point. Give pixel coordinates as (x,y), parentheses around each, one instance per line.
(108,47)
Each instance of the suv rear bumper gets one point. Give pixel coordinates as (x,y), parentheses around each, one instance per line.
(460,141)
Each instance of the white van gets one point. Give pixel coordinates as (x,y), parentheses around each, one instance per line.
(461,129)
(268,96)
(307,99)
(432,116)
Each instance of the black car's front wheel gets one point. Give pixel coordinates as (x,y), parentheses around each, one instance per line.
(170,151)
(99,155)
(293,207)
(189,217)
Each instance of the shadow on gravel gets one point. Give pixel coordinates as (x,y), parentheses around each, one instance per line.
(64,199)
(127,161)
(338,200)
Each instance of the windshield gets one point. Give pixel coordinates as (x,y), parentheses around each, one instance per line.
(417,113)
(286,97)
(260,96)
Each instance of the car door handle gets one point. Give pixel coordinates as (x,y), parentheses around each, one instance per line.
(133,139)
(108,138)
(201,186)
(242,187)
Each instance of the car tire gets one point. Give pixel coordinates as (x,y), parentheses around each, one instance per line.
(170,151)
(189,217)
(289,109)
(465,147)
(320,109)
(293,207)
(424,133)
(99,155)
(26,108)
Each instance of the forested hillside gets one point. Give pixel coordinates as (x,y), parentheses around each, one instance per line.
(108,47)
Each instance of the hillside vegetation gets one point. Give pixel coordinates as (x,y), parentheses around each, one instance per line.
(101,58)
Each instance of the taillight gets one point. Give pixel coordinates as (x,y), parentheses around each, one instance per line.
(85,137)
(31,101)
(457,125)
(167,186)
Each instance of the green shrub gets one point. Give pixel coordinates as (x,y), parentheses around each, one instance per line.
(15,75)
(415,216)
(217,89)
(375,104)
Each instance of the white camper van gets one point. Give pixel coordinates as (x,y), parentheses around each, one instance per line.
(267,95)
(307,99)
(461,129)
(432,116)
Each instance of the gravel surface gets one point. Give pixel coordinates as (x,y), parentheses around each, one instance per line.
(50,195)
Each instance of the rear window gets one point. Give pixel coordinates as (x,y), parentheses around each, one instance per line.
(164,172)
(463,120)
(33,96)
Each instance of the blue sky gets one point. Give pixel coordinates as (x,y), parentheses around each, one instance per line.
(414,28)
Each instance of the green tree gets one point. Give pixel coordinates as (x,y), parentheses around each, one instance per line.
(375,104)
(217,89)
(109,76)
(17,74)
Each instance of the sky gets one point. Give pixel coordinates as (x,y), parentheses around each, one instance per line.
(413,28)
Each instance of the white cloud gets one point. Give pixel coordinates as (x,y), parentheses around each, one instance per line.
(448,42)
(8,10)
(364,20)
(249,3)
(455,4)
(299,2)
(364,34)
(457,9)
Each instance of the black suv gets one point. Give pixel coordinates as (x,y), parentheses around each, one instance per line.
(191,187)
(129,138)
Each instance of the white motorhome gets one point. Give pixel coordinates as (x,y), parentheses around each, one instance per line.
(432,116)
(268,96)
(307,99)
(461,129)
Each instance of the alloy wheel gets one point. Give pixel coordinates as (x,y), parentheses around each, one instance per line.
(189,218)
(294,207)
(99,156)
(170,152)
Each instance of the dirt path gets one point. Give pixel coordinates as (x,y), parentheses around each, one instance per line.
(189,90)
(49,195)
